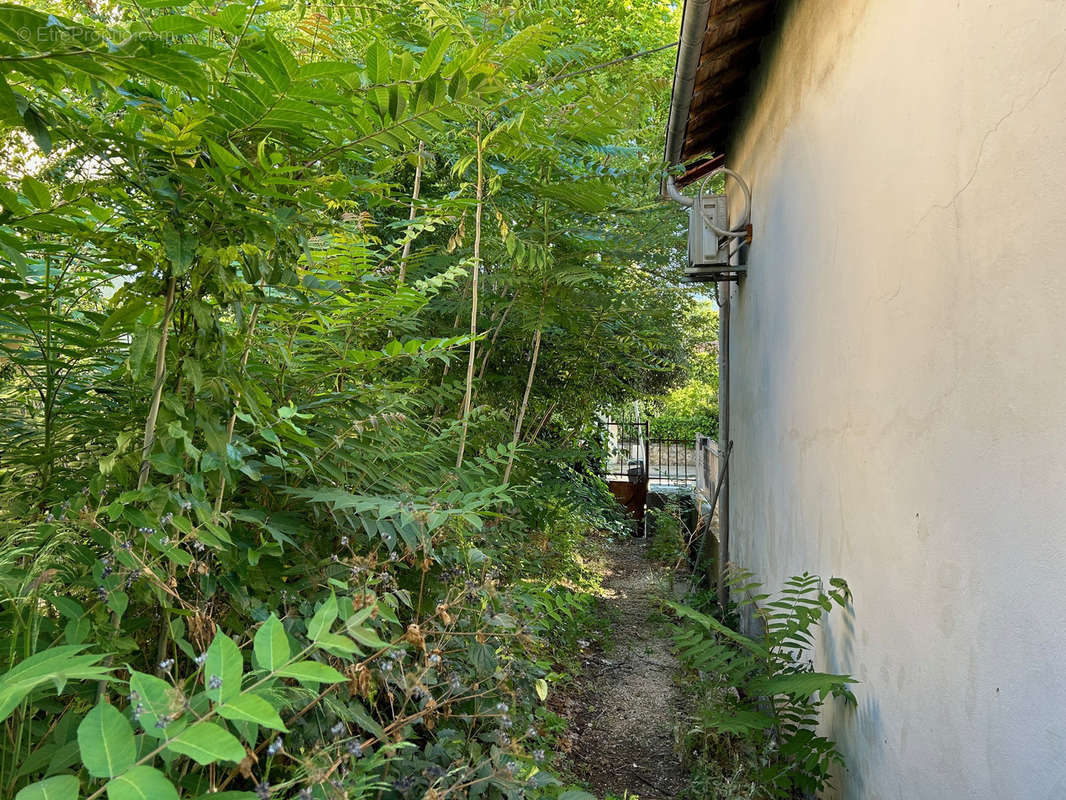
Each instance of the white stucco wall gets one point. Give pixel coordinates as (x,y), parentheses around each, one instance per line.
(899,378)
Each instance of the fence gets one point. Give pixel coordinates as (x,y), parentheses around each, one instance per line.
(627,449)
(670,462)
(673,462)
(707,467)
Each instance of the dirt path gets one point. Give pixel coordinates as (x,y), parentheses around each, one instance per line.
(625,705)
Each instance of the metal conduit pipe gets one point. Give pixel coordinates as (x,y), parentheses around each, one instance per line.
(675,195)
(693,25)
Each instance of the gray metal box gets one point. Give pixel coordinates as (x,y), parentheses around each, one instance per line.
(704,246)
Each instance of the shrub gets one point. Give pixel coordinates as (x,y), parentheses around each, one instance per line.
(765,696)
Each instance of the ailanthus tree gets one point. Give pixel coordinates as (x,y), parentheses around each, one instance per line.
(267,405)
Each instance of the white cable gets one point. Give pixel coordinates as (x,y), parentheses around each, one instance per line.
(740,232)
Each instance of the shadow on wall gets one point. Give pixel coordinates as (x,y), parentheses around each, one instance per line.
(836,653)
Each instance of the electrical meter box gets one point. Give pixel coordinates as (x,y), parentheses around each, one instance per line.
(708,254)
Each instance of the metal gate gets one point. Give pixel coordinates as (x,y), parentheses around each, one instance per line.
(626,468)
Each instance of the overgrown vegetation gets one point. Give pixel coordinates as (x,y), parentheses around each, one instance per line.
(303,311)
(691,408)
(758,697)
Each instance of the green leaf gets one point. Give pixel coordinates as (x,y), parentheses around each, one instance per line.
(180,248)
(312,672)
(36,192)
(106,742)
(9,112)
(367,722)
(756,648)
(271,645)
(252,708)
(365,636)
(118,602)
(205,743)
(57,664)
(225,662)
(141,783)
(800,684)
(178,24)
(738,720)
(158,699)
(38,129)
(482,656)
(323,619)
(377,63)
(60,787)
(541,686)
(434,54)
(337,644)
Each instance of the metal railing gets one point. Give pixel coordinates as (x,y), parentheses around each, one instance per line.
(627,449)
(673,461)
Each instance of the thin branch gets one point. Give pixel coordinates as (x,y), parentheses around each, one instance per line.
(473,302)
(414,201)
(604,65)
(157,391)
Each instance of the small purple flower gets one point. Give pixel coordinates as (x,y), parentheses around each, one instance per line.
(166,664)
(275,747)
(354,748)
(214,682)
(262,791)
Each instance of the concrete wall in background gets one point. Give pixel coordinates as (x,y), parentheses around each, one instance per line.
(899,378)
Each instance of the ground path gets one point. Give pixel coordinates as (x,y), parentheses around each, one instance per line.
(624,707)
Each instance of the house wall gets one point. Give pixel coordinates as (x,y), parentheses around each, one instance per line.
(899,378)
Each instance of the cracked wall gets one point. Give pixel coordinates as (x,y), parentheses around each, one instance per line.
(899,377)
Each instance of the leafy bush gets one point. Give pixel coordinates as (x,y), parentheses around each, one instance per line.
(686,413)
(762,692)
(261,479)
(669,536)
